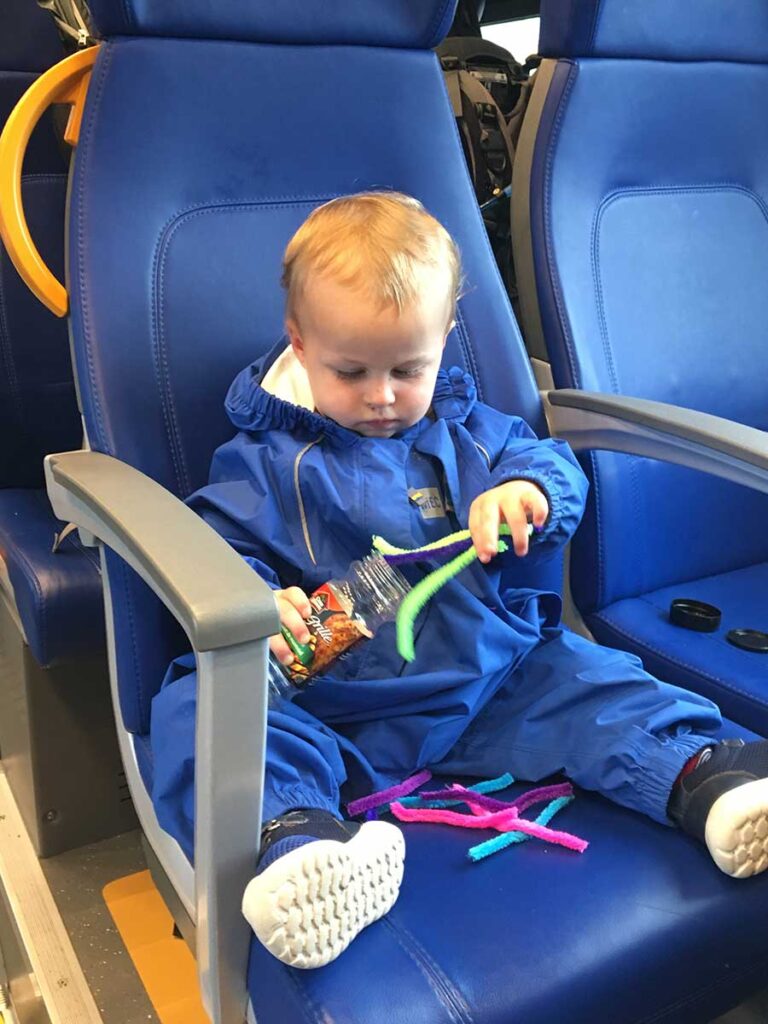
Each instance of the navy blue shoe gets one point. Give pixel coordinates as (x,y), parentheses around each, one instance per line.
(724,802)
(319,882)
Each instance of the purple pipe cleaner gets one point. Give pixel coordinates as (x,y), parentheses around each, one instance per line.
(489,803)
(447,552)
(385,796)
(535,796)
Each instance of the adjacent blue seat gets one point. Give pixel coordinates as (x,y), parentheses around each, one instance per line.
(54,692)
(210,132)
(645,178)
(38,410)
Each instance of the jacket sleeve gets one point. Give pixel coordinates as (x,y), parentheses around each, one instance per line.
(253,552)
(552,466)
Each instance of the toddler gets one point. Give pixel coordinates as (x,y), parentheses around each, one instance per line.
(498,684)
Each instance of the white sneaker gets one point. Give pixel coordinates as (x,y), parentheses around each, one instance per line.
(309,904)
(736,832)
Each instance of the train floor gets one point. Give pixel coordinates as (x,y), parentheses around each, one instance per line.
(76,880)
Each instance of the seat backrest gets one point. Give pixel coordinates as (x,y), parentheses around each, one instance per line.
(206,141)
(38,411)
(647,191)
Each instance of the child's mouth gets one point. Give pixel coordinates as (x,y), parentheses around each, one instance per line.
(381,424)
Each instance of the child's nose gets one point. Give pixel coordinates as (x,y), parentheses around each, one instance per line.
(381,393)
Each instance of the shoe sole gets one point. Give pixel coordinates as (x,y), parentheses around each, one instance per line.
(736,831)
(310,904)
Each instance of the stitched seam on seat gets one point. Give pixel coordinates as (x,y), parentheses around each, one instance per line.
(143,711)
(469,355)
(162,380)
(598,286)
(162,249)
(95,91)
(595,484)
(660,1015)
(90,553)
(311,1009)
(703,673)
(548,239)
(664,190)
(446,993)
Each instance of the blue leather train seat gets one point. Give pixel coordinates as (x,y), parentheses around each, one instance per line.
(55,706)
(647,190)
(210,131)
(58,597)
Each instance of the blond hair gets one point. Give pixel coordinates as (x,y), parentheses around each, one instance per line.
(375,242)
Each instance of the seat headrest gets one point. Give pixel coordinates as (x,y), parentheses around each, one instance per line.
(417,24)
(659,29)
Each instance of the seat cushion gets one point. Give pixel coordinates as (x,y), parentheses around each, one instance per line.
(58,596)
(534,929)
(640,927)
(704,662)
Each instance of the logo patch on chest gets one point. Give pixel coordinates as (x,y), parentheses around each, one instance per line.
(429,501)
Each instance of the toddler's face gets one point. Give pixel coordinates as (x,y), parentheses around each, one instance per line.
(370,370)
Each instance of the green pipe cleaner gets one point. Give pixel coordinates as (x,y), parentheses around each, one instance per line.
(426,589)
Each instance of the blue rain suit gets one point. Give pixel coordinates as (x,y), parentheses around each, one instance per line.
(497,684)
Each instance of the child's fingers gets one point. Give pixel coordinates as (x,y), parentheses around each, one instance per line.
(280,649)
(292,620)
(538,507)
(484,529)
(515,516)
(299,600)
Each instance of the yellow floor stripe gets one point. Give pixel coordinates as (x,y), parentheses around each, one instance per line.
(164,964)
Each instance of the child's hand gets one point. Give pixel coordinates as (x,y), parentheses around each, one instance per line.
(293,607)
(516,503)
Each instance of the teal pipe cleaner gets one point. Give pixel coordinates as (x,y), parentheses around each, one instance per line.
(426,589)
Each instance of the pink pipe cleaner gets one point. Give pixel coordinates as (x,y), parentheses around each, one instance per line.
(384,796)
(502,821)
(497,819)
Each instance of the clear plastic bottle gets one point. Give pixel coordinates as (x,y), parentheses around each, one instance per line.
(344,612)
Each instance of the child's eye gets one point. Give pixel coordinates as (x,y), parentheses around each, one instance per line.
(414,371)
(349,374)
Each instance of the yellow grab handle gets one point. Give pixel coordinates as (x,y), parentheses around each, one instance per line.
(65,82)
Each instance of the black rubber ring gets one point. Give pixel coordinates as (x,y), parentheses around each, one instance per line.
(748,640)
(696,615)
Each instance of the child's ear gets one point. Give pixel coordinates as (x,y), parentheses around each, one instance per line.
(294,336)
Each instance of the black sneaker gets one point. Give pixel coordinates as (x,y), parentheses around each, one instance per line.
(724,802)
(319,882)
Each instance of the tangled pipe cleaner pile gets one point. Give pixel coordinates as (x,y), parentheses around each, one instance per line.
(483,811)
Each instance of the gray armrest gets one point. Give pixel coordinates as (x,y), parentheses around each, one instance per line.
(637,426)
(217,598)
(228,612)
